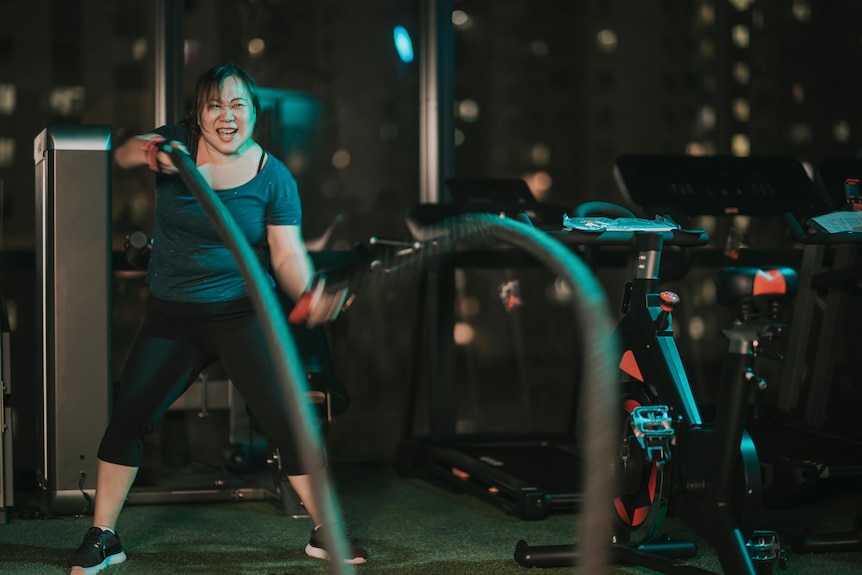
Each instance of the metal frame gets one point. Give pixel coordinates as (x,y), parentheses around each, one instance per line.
(7,493)
(73,272)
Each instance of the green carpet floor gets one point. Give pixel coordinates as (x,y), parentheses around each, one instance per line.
(409,526)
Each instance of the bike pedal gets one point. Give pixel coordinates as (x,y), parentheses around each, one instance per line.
(653,428)
(764,548)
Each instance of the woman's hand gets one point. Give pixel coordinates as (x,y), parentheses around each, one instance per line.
(318,306)
(157,159)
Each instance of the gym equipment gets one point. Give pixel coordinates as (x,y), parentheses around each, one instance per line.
(7,493)
(836,542)
(707,473)
(73,269)
(843,231)
(670,456)
(831,271)
(830,265)
(531,473)
(799,445)
(74,266)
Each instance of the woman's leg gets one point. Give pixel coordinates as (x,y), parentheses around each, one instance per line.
(112,487)
(248,363)
(162,363)
(304,488)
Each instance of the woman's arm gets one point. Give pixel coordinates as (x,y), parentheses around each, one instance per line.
(294,271)
(142,151)
(134,152)
(291,264)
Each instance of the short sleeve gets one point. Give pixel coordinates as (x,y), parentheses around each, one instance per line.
(285,207)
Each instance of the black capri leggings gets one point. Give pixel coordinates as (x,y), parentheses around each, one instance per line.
(174,344)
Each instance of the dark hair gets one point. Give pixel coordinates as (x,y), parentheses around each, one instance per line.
(212,80)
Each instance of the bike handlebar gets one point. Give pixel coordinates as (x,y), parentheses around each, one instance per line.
(678,237)
(428,221)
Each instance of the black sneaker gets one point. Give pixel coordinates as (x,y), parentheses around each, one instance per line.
(98,550)
(316,547)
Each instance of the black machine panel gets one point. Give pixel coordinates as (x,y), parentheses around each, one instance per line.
(719,185)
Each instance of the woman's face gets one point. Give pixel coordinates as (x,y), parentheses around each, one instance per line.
(227,118)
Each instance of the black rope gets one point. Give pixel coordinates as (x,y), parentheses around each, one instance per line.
(282,350)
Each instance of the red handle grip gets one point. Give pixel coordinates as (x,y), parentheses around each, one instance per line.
(299,314)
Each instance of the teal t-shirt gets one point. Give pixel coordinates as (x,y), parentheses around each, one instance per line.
(190,262)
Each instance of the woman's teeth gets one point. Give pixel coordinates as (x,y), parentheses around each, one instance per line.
(226,134)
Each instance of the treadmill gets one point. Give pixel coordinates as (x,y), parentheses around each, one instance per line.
(527,472)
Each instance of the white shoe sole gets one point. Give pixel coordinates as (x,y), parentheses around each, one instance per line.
(319,553)
(111,560)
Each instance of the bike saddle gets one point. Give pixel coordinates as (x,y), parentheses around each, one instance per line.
(739,285)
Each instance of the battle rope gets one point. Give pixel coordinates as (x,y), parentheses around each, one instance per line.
(282,350)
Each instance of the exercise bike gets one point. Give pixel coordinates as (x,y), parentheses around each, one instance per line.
(670,457)
(842,230)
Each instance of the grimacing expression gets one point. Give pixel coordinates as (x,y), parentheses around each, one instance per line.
(227,118)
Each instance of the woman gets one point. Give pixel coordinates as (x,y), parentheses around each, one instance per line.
(199,310)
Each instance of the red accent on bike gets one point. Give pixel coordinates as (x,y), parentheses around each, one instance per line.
(629,365)
(621,510)
(668,300)
(629,405)
(641,514)
(769,282)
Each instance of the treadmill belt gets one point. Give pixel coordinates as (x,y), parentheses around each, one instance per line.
(529,478)
(554,468)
